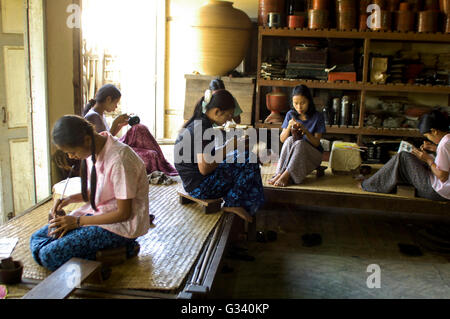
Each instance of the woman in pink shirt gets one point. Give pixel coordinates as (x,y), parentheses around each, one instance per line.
(117,211)
(429,175)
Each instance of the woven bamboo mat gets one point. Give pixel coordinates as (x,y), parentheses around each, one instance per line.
(328,183)
(168,250)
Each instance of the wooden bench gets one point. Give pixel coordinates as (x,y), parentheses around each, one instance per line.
(366,201)
(63,281)
(210,206)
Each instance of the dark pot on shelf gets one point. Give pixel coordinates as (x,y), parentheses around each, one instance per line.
(276,102)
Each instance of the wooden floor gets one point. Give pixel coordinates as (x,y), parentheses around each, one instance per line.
(337,268)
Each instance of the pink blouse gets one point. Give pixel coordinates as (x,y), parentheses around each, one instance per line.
(121,174)
(442,162)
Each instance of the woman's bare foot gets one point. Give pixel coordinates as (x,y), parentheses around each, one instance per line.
(284,180)
(241,212)
(274,179)
(360,185)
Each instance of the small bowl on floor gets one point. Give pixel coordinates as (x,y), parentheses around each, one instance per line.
(11,276)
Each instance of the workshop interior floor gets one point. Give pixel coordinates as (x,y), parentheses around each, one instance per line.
(338,267)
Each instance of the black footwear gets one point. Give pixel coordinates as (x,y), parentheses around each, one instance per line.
(239,256)
(226,269)
(261,237)
(310,240)
(410,250)
(320,171)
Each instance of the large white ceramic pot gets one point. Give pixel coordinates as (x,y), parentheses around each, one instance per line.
(221,37)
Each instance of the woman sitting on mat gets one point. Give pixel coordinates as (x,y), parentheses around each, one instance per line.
(428,175)
(301,152)
(217,84)
(118,208)
(138,137)
(229,176)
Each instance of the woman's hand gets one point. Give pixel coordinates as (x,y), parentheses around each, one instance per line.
(59,205)
(62,225)
(118,123)
(423,156)
(303,129)
(292,122)
(428,146)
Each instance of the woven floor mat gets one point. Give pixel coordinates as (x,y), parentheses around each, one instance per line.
(168,250)
(328,183)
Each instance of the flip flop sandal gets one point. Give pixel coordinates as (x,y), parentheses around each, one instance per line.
(410,250)
(310,240)
(240,256)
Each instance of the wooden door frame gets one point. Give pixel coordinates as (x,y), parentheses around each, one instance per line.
(77,66)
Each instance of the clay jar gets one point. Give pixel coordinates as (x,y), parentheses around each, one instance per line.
(392,5)
(320,4)
(447,24)
(363,21)
(276,102)
(345,14)
(221,36)
(317,19)
(444,5)
(295,21)
(266,6)
(404,20)
(385,19)
(427,21)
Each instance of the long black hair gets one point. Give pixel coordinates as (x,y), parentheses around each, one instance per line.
(434,120)
(70,131)
(303,90)
(105,91)
(222,99)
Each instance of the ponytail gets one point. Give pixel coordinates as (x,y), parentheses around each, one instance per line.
(93,179)
(197,112)
(89,106)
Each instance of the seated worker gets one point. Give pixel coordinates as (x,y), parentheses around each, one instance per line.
(428,175)
(217,84)
(237,182)
(138,137)
(117,211)
(302,152)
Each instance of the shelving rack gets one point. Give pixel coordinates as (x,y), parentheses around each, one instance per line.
(363,86)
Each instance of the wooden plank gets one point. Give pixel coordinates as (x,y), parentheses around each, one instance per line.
(355,34)
(358,86)
(357,201)
(203,202)
(64,280)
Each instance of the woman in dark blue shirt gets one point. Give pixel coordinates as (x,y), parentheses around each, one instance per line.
(205,168)
(302,130)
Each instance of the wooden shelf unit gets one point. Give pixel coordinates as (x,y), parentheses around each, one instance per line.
(363,86)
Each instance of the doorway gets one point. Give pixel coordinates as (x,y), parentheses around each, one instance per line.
(122,43)
(24,165)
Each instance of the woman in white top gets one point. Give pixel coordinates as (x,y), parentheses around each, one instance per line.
(429,175)
(106,100)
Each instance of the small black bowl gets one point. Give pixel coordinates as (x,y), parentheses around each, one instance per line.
(11,276)
(134,120)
